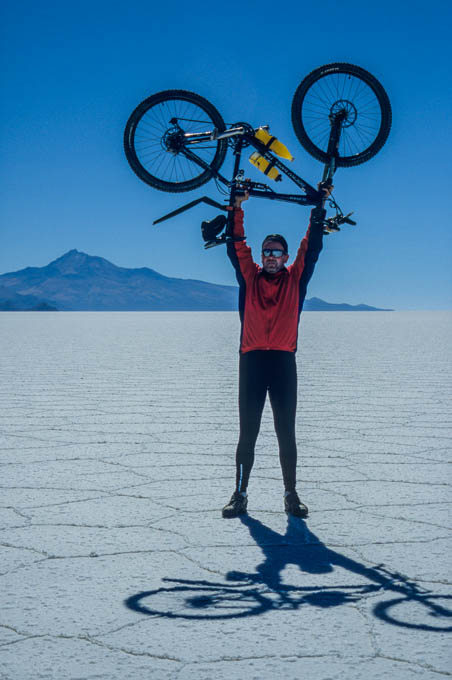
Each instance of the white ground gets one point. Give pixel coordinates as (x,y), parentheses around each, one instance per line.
(118,434)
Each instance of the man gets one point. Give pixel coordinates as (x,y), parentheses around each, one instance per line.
(270,302)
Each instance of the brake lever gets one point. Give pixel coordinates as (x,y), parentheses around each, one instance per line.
(347,220)
(332,223)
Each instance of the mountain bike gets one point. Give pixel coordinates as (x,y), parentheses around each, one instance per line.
(176,141)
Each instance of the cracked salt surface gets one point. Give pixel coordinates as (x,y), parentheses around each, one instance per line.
(118,434)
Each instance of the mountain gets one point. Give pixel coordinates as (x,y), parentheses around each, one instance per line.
(14,302)
(80,282)
(77,281)
(315,304)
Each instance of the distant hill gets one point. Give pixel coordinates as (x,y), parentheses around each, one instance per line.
(315,304)
(80,282)
(14,302)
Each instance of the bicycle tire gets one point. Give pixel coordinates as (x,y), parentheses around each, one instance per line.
(368,113)
(200,603)
(148,133)
(442,614)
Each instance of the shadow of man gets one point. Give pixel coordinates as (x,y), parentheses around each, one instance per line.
(299,546)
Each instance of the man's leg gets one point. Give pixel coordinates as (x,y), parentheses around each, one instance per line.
(283,398)
(252,393)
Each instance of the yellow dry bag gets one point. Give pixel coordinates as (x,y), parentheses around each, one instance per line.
(273,144)
(265,166)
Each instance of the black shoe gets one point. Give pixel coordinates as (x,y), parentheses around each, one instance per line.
(236,506)
(293,505)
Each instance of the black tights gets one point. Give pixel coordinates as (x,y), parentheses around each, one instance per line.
(275,372)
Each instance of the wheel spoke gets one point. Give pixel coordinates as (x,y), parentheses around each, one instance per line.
(335,89)
(156,140)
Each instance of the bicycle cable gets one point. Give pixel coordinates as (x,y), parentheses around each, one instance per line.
(220,188)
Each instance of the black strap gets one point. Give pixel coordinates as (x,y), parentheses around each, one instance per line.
(269,167)
(270,142)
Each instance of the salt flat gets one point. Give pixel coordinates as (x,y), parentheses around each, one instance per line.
(118,434)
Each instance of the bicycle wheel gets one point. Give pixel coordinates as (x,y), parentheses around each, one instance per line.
(198,601)
(348,89)
(153,139)
(423,612)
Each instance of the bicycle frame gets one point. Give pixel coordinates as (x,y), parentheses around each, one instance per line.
(311,197)
(239,136)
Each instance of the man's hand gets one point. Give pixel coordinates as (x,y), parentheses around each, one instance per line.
(240,198)
(326,189)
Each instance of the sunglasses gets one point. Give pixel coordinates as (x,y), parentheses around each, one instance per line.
(272,252)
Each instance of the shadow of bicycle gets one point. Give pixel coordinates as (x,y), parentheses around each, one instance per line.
(245,594)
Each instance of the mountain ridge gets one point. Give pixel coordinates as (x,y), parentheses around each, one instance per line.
(76,281)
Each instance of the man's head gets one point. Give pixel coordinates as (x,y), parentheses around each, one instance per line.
(274,253)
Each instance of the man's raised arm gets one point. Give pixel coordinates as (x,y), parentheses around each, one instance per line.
(312,243)
(239,253)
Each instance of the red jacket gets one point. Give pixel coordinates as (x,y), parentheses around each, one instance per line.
(270,304)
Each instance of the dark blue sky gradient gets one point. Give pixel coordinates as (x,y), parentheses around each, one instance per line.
(75,71)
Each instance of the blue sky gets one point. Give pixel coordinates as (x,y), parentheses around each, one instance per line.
(76,70)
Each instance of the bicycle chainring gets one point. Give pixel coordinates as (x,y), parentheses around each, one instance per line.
(233,140)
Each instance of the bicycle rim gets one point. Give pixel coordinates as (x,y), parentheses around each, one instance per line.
(153,140)
(429,612)
(349,89)
(198,602)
